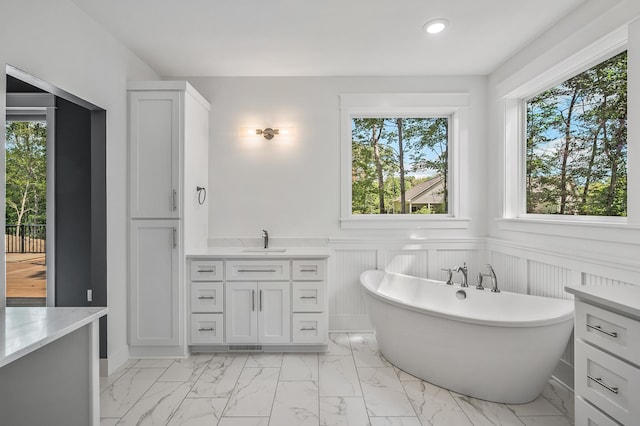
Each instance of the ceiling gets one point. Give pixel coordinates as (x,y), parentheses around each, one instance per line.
(192,38)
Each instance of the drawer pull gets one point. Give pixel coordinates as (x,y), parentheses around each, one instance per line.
(308,270)
(308,297)
(599,381)
(257,270)
(207,329)
(206,270)
(206,297)
(308,329)
(598,328)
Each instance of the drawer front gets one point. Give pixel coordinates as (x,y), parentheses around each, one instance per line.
(308,270)
(607,382)
(207,297)
(588,415)
(308,297)
(206,329)
(615,333)
(310,328)
(257,270)
(206,270)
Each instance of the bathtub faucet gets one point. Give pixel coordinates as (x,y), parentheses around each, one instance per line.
(450,272)
(463,269)
(480,277)
(494,279)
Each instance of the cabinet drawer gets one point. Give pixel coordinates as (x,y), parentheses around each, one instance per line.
(206,270)
(607,382)
(206,329)
(308,297)
(255,270)
(310,328)
(615,333)
(587,414)
(308,270)
(207,297)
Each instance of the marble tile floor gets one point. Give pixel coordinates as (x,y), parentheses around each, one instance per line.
(351,384)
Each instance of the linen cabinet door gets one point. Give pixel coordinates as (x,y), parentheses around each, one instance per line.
(154,143)
(154,283)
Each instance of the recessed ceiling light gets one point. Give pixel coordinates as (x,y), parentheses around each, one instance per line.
(435,26)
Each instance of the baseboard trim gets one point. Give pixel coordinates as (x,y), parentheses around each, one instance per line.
(114,361)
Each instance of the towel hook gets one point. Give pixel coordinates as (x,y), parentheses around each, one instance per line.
(202,194)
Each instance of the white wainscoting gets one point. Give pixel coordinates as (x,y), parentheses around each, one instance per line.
(421,258)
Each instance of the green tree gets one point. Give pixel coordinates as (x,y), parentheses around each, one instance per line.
(26,168)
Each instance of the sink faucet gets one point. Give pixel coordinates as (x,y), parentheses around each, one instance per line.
(494,279)
(463,269)
(265,237)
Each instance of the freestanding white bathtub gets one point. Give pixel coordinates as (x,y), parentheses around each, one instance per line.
(500,347)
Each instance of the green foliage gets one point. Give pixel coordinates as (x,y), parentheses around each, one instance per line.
(26,169)
(577,144)
(383,163)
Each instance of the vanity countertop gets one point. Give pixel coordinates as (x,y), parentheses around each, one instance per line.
(238,252)
(622,298)
(25,329)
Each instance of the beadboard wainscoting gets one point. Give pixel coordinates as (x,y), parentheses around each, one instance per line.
(421,258)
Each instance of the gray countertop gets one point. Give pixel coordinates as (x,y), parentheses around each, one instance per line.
(622,298)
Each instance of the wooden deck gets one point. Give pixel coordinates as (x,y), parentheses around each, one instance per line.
(26,275)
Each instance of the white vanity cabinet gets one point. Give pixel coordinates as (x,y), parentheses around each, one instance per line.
(168,151)
(271,301)
(607,355)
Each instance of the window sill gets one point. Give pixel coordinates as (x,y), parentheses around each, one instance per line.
(408,222)
(616,230)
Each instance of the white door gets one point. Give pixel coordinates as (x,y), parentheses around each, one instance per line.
(274,322)
(154,290)
(154,135)
(241,312)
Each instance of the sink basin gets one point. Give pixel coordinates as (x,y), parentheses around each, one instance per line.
(264,250)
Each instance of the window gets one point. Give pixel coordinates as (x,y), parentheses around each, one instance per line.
(400,160)
(399,165)
(576,144)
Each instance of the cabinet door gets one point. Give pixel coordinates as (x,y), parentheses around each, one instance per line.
(241,312)
(154,137)
(274,313)
(154,283)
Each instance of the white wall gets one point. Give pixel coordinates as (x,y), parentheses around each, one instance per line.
(292,188)
(56,42)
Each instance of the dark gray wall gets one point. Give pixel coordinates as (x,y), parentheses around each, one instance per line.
(80,208)
(73,203)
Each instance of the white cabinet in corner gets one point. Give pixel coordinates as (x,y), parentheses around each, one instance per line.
(168,151)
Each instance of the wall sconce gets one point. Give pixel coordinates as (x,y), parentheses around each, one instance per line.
(267,133)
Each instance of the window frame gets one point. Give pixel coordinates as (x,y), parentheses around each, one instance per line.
(514,215)
(453,106)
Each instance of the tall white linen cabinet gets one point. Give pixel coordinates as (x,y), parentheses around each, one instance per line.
(168,215)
